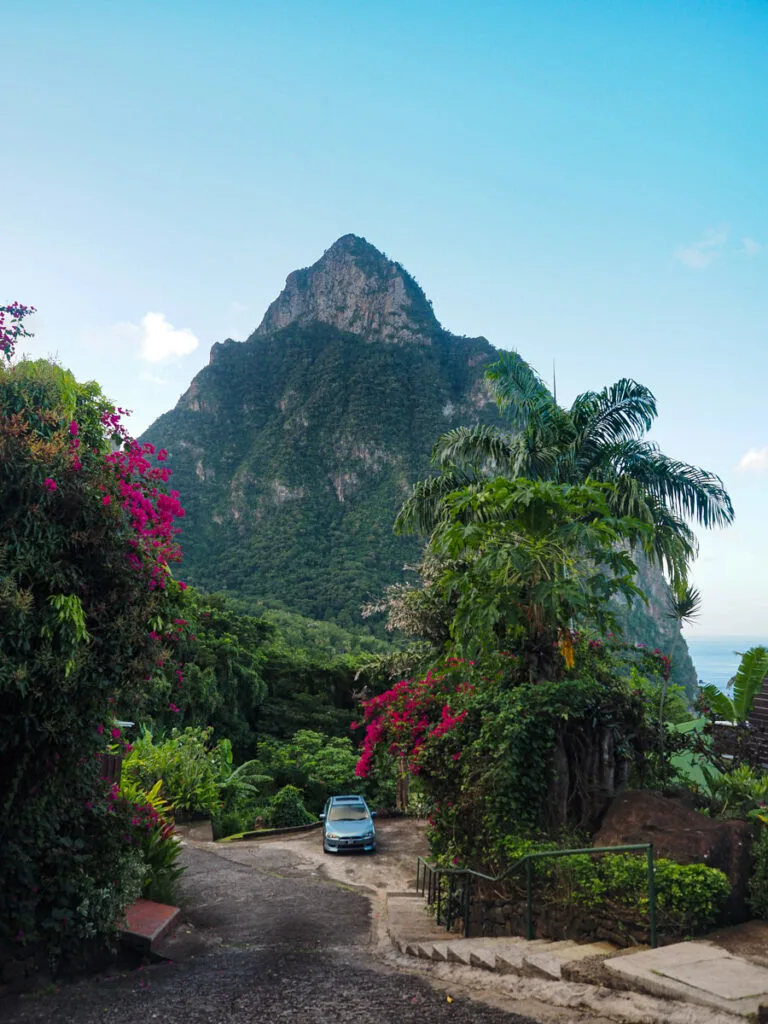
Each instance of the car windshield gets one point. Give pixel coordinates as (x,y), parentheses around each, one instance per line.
(350,812)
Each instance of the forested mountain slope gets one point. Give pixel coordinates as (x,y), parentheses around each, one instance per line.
(294,449)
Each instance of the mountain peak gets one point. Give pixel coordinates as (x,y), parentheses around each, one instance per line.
(358,289)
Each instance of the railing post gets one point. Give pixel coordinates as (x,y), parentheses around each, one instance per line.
(652,896)
(529,898)
(437,915)
(418,870)
(449,912)
(467,898)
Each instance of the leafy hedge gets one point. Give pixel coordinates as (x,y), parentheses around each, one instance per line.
(85,539)
(689,897)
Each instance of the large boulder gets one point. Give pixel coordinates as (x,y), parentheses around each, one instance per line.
(682,835)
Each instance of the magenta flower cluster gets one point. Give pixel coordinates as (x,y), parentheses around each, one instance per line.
(405,718)
(12,326)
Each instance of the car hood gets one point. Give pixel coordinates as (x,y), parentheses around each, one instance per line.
(349,828)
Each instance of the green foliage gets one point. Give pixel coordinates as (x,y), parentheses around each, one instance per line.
(286,809)
(747,683)
(689,897)
(307,439)
(220,683)
(74,650)
(738,793)
(160,852)
(159,847)
(530,558)
(198,778)
(675,709)
(186,765)
(318,765)
(758,884)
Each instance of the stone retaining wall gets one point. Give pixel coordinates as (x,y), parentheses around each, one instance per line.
(507,916)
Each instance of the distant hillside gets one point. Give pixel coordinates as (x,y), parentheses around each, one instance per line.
(294,449)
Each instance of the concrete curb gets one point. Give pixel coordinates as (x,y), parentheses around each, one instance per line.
(267,833)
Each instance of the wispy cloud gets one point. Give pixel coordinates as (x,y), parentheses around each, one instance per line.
(751,247)
(158,340)
(754,461)
(700,255)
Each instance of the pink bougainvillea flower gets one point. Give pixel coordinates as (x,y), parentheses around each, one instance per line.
(172,707)
(100,728)
(457,755)
(162,455)
(182,585)
(115,733)
(73,428)
(76,463)
(50,484)
(106,500)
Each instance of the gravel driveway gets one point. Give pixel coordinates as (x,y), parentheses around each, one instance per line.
(270,936)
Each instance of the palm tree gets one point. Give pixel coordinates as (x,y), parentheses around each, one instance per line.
(601,438)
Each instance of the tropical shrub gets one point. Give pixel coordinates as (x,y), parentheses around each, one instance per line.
(747,683)
(758,884)
(186,765)
(158,844)
(286,809)
(496,753)
(689,897)
(215,657)
(316,764)
(87,536)
(740,793)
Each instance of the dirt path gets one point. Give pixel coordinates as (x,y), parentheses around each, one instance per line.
(392,868)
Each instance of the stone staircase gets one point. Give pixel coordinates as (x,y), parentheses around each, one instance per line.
(698,973)
(413,932)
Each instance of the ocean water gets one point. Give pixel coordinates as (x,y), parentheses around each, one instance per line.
(715,657)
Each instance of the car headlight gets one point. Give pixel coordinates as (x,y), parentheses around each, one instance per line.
(369,835)
(332,835)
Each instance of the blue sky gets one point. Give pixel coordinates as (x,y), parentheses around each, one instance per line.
(585,182)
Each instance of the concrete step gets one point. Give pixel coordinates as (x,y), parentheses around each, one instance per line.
(412,929)
(485,952)
(146,922)
(696,972)
(548,961)
(510,958)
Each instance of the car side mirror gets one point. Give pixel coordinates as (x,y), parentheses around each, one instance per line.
(322,816)
(373,814)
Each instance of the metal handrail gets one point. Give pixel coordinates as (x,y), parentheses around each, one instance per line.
(435,873)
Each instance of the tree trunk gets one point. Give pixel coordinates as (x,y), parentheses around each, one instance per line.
(561,785)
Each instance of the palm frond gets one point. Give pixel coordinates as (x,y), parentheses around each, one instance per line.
(748,680)
(685,604)
(623,411)
(520,393)
(477,446)
(673,546)
(689,492)
(720,703)
(422,511)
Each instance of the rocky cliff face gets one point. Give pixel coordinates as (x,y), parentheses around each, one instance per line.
(355,288)
(294,450)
